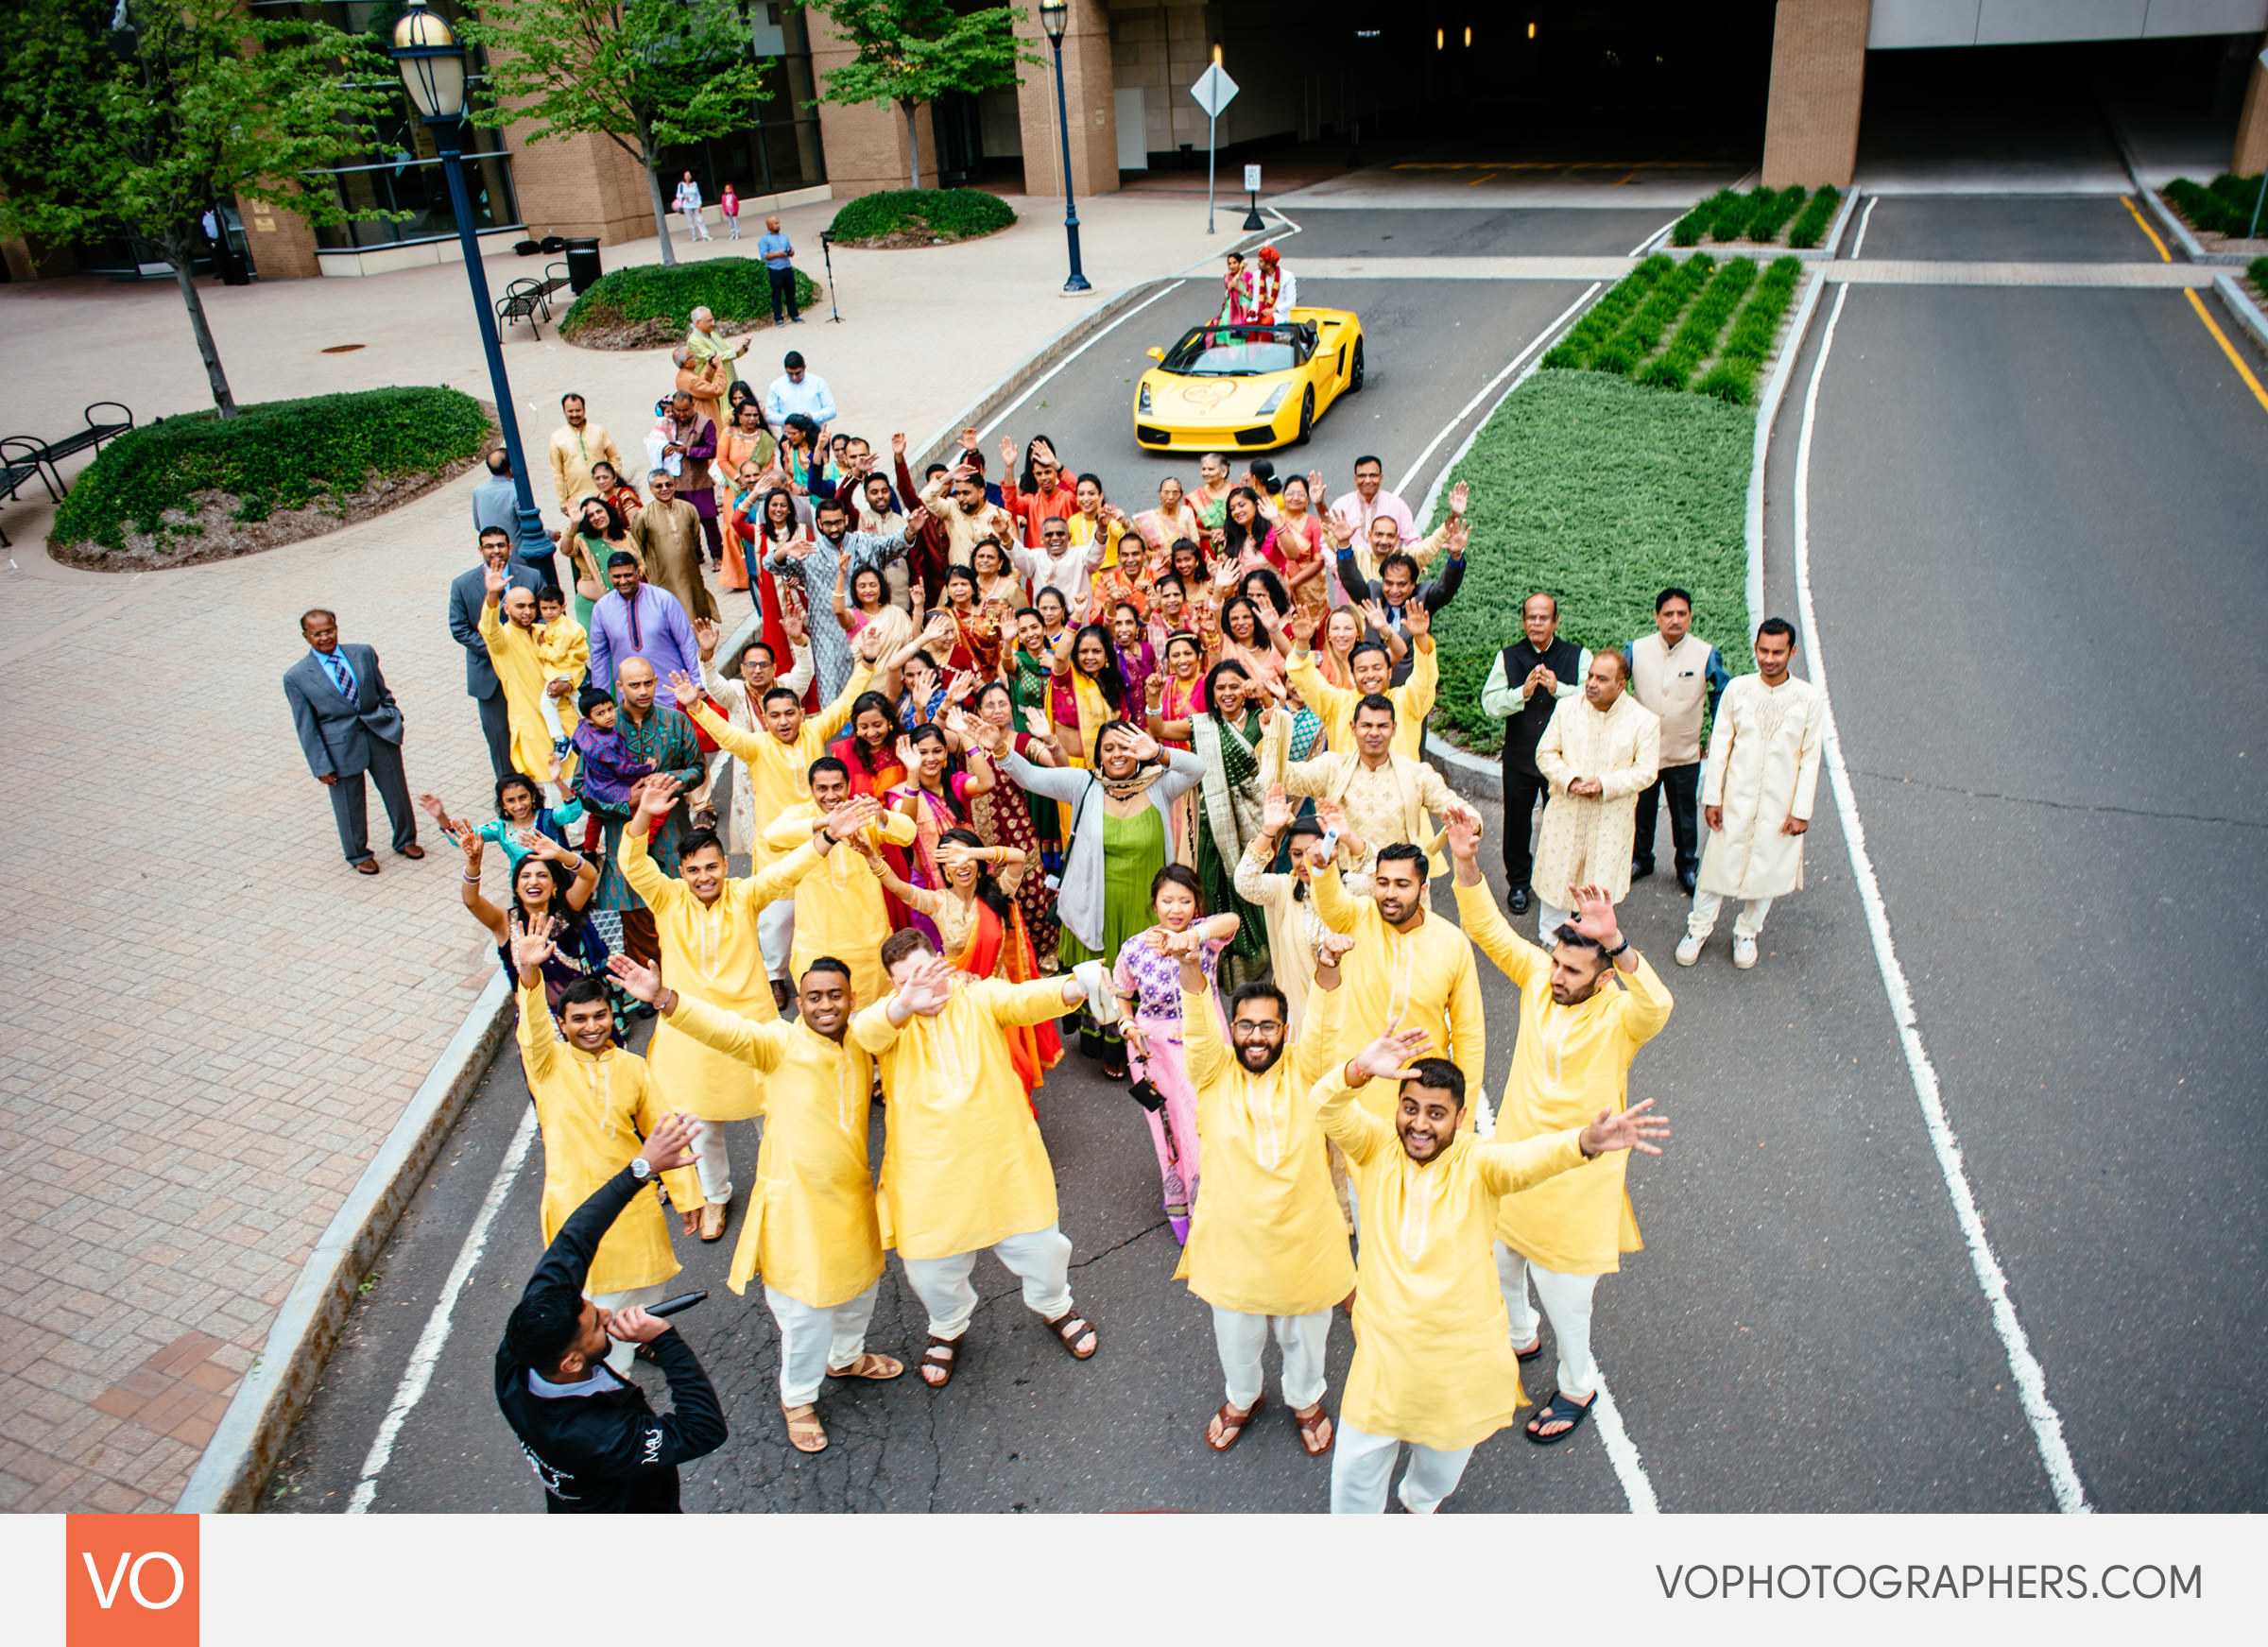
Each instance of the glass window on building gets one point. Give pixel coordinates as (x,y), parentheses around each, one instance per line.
(778,148)
(403,175)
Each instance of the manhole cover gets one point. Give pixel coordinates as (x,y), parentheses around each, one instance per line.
(345,348)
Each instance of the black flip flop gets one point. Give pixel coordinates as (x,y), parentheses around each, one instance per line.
(1555,1408)
(1528,1355)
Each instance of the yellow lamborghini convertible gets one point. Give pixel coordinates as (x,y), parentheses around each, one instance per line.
(1250,387)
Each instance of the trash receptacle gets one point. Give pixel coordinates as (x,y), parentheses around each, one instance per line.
(236,268)
(582,263)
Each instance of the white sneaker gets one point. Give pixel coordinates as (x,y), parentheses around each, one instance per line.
(1743,951)
(1689,950)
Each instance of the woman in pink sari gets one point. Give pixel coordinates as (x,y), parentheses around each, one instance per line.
(936,799)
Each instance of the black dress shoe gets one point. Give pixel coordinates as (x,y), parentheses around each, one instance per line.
(1689,878)
(1640,871)
(1518,903)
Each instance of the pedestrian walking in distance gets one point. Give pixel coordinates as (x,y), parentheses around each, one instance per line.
(688,201)
(349,724)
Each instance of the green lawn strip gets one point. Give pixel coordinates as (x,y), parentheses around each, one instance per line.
(1601,492)
(1602,318)
(1641,333)
(1733,378)
(271,456)
(1810,226)
(658,302)
(1697,338)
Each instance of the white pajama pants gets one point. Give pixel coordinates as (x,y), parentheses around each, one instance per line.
(1040,1259)
(712,1164)
(1362,1464)
(1706,907)
(1241,1339)
(1549,918)
(1567,1301)
(775,933)
(620,1352)
(812,1340)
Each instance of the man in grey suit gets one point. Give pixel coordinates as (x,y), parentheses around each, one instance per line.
(466,595)
(349,724)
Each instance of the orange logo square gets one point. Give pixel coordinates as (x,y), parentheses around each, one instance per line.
(131,1581)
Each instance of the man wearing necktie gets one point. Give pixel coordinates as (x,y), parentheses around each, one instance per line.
(349,724)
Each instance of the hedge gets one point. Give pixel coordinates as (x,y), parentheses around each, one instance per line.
(946,213)
(2257,269)
(275,455)
(1734,376)
(1817,214)
(1728,215)
(1601,492)
(735,289)
(2224,208)
(1697,338)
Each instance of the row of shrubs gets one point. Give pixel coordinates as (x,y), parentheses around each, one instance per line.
(275,455)
(1728,214)
(2223,207)
(1818,212)
(1605,318)
(1621,331)
(1733,378)
(948,214)
(1697,338)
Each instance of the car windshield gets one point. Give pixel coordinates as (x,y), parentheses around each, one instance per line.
(1235,352)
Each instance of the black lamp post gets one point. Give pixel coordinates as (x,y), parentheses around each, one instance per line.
(433,73)
(1054,14)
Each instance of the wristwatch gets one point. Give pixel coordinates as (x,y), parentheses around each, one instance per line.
(640,1169)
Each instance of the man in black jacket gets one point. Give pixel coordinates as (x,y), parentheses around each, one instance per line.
(596,1444)
(1523,687)
(1396,588)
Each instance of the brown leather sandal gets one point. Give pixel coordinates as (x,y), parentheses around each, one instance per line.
(1233,1424)
(869,1365)
(1310,1420)
(942,1354)
(805,1431)
(1069,1327)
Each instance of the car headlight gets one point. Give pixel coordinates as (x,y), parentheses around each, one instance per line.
(1145,400)
(1276,400)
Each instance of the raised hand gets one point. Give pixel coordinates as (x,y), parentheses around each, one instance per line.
(930,987)
(656,794)
(1595,917)
(1455,537)
(704,634)
(473,847)
(532,948)
(1153,691)
(638,983)
(495,581)
(1632,1129)
(793,621)
(1417,620)
(1007,455)
(953,855)
(1332,947)
(906,757)
(898,445)
(1388,1057)
(1457,496)
(1464,834)
(1144,747)
(1376,614)
(683,687)
(1315,488)
(918,519)
(967,440)
(867,644)
(1300,625)
(849,819)
(669,1146)
(1276,810)
(538,844)
(1329,814)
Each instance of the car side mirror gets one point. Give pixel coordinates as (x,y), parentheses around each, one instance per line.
(1157,354)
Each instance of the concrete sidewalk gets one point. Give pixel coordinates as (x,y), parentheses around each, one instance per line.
(215,1023)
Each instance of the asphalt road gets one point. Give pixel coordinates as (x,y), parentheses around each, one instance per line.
(2007,229)
(2035,515)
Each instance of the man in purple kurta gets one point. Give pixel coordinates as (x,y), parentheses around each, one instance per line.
(640,621)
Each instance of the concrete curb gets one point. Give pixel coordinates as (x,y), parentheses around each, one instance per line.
(2242,307)
(1832,244)
(1004,389)
(1767,413)
(1823,252)
(245,1449)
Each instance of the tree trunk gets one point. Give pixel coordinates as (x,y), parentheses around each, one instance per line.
(176,254)
(913,144)
(653,190)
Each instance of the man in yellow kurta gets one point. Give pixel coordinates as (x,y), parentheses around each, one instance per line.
(963,1166)
(508,625)
(1409,968)
(811,1232)
(1577,1034)
(595,1103)
(706,926)
(840,910)
(575,445)
(1597,753)
(779,761)
(1383,796)
(1757,789)
(1432,1366)
(1268,1249)
(1372,667)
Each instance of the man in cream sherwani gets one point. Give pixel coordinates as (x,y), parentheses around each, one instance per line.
(1757,789)
(1598,752)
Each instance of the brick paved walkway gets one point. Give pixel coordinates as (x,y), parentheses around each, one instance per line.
(212,1021)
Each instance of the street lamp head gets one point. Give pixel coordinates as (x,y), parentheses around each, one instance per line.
(1054,14)
(431,65)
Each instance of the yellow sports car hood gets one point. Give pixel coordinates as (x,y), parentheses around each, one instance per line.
(1210,399)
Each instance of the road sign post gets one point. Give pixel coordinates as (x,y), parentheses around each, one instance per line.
(1252,199)
(1212,91)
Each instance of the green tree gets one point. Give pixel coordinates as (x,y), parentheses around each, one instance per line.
(149,113)
(912,51)
(645,74)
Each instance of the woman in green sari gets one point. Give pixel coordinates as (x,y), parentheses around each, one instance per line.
(1227,739)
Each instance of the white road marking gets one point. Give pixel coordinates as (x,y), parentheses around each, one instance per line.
(2030,1380)
(1009,410)
(1488,388)
(1654,239)
(1622,1453)
(411,1390)
(1865,217)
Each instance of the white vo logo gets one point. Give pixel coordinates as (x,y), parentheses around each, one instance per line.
(128,1573)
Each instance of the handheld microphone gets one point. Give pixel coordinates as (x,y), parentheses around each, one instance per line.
(671,1306)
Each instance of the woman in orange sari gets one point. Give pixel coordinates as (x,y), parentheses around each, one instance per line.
(870,748)
(981,931)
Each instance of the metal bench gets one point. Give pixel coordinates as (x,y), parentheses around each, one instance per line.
(23,458)
(524,298)
(94,435)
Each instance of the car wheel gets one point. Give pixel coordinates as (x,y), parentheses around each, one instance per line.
(1307,418)
(1354,378)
